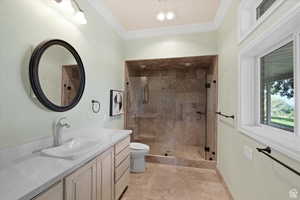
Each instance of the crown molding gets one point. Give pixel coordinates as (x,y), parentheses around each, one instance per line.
(170,30)
(108,16)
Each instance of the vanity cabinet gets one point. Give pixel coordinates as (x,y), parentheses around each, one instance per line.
(94,181)
(104,178)
(122,163)
(81,185)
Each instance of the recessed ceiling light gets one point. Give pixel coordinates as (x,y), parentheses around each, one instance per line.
(170,15)
(187,64)
(143,66)
(161,16)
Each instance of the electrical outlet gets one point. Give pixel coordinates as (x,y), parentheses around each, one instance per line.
(293,193)
(248,152)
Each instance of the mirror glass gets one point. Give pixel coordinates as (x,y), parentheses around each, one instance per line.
(59,75)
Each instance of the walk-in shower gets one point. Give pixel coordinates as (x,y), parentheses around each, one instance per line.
(171,105)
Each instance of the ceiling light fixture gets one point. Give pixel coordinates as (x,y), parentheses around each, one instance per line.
(161,16)
(170,15)
(165,16)
(68,7)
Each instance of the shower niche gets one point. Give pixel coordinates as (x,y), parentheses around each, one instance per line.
(171,104)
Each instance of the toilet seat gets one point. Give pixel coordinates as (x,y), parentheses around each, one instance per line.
(139,146)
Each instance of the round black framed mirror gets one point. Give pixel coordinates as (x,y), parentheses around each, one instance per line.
(57,75)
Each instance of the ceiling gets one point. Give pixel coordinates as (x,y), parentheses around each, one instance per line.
(204,62)
(135,15)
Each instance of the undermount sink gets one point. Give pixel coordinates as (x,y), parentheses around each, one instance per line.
(72,149)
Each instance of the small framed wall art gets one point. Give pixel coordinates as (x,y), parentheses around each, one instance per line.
(116,103)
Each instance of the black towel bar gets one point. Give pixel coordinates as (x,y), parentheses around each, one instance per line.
(267,151)
(226,116)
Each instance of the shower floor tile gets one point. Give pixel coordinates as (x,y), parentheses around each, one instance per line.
(166,182)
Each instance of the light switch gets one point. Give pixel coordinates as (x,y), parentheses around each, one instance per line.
(248,152)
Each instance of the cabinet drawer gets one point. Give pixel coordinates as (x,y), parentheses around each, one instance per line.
(120,170)
(122,145)
(122,156)
(121,185)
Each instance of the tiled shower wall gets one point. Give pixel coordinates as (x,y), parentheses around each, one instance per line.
(162,108)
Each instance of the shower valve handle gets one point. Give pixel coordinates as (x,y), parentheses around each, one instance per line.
(200,113)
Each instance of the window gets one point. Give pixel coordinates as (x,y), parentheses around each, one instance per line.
(252,13)
(277,88)
(269,86)
(263,7)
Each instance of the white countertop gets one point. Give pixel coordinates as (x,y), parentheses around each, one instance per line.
(31,175)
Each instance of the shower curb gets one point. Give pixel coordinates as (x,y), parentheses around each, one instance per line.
(171,160)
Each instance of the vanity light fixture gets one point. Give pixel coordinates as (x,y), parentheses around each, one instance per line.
(72,7)
(66,6)
(80,17)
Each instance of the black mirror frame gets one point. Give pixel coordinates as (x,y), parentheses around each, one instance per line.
(34,75)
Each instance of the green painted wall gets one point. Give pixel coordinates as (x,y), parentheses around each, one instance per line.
(26,23)
(259,179)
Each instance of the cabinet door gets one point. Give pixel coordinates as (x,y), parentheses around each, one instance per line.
(81,185)
(105,176)
(54,193)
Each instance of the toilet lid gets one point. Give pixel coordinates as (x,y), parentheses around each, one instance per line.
(139,146)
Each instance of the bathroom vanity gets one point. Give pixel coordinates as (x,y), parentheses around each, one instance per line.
(103,178)
(102,173)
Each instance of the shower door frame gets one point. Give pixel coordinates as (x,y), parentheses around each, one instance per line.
(210,147)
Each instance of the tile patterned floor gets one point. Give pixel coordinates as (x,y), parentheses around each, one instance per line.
(166,182)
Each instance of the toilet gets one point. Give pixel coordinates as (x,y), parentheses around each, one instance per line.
(138,152)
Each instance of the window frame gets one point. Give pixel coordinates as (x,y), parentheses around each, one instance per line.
(289,39)
(252,22)
(257,4)
(286,29)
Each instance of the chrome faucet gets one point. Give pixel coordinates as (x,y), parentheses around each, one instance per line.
(58,127)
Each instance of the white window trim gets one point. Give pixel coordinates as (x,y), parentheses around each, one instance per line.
(279,34)
(291,38)
(243,36)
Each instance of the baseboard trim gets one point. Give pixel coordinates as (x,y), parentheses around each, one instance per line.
(224,183)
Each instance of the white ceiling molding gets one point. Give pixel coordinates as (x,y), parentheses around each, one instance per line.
(171,30)
(107,15)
